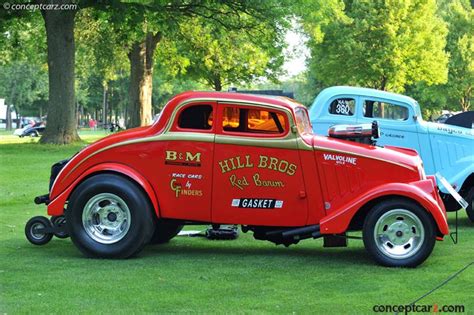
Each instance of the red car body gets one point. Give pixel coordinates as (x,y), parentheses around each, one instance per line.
(288,178)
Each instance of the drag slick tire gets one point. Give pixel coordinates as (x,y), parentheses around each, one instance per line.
(165,231)
(35,237)
(399,233)
(109,216)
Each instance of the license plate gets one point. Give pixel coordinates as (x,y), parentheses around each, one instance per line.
(464,204)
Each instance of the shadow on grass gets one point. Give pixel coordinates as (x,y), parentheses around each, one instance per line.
(202,251)
(221,250)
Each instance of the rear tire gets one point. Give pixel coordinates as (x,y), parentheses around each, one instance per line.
(109,216)
(399,233)
(165,231)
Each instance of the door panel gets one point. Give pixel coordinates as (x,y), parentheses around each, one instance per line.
(257,177)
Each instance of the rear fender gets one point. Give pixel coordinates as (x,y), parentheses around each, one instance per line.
(423,192)
(57,205)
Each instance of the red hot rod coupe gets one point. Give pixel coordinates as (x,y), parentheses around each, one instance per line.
(227,158)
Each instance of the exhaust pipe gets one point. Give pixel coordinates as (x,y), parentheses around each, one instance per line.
(303,231)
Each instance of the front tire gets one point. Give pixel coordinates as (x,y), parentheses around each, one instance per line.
(470,208)
(34,230)
(399,233)
(109,216)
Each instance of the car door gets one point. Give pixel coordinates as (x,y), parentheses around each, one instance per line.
(395,119)
(257,172)
(184,169)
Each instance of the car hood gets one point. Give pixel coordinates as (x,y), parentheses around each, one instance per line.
(447,130)
(401,156)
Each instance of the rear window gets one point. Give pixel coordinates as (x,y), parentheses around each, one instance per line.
(342,106)
(196,117)
(384,110)
(253,121)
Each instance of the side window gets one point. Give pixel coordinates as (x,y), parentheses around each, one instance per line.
(342,106)
(376,109)
(196,117)
(253,121)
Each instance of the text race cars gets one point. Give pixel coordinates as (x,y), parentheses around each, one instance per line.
(444,149)
(227,158)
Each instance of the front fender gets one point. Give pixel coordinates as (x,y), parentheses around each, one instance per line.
(423,191)
(56,206)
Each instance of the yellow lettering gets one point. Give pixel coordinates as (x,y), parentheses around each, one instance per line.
(263,161)
(175,188)
(247,161)
(291,169)
(273,163)
(191,157)
(171,155)
(283,166)
(224,166)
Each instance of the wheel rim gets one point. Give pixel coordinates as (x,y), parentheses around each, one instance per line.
(399,234)
(34,234)
(106,218)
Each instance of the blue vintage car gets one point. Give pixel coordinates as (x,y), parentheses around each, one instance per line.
(446,149)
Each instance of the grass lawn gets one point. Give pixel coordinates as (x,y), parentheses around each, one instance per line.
(198,275)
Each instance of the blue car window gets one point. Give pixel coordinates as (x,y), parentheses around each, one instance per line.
(384,110)
(342,106)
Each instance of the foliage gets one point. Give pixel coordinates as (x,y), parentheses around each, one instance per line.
(22,83)
(380,44)
(221,57)
(460,45)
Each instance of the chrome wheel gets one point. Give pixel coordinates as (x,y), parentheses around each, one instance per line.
(34,228)
(106,218)
(399,234)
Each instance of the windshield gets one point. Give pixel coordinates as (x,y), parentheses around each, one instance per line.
(302,121)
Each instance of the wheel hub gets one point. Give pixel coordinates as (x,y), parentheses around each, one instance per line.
(399,233)
(106,218)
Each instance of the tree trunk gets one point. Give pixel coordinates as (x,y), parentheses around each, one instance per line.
(61,127)
(104,106)
(8,113)
(217,84)
(141,80)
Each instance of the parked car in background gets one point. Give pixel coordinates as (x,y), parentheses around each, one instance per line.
(31,131)
(446,149)
(465,120)
(442,118)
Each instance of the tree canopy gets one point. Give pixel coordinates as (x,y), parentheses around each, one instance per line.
(380,44)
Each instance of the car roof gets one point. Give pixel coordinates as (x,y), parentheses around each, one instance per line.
(360,91)
(240,97)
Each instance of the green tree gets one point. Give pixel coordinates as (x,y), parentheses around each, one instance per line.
(22,63)
(220,57)
(460,45)
(142,28)
(22,83)
(380,44)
